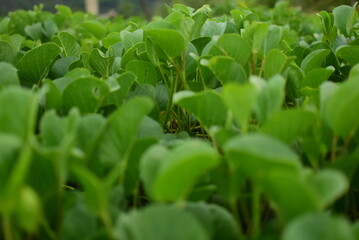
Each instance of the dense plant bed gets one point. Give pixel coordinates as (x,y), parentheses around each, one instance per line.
(188,127)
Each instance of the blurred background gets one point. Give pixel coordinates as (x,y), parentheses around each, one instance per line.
(150,7)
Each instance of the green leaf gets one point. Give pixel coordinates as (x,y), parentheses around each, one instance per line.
(259,154)
(130,39)
(121,129)
(344,18)
(132,175)
(85,93)
(256,33)
(63,10)
(207,106)
(15,41)
(49,28)
(150,164)
(276,63)
(95,28)
(94,191)
(101,63)
(273,38)
(28,211)
(270,96)
(61,66)
(331,184)
(314,59)
(52,129)
(119,88)
(226,69)
(217,221)
(17,179)
(157,223)
(191,159)
(327,21)
(43,57)
(327,90)
(10,146)
(35,31)
(78,222)
(69,44)
(144,71)
(200,17)
(213,28)
(111,39)
(232,45)
(133,54)
(87,134)
(183,23)
(4,23)
(291,124)
(240,100)
(6,52)
(291,195)
(316,77)
(150,128)
(348,54)
(18,109)
(319,225)
(171,42)
(161,168)
(339,109)
(8,75)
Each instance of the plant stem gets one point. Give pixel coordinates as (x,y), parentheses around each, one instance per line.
(7,227)
(256,217)
(170,99)
(334,149)
(181,75)
(346,144)
(164,77)
(234,209)
(107,222)
(253,63)
(262,66)
(136,196)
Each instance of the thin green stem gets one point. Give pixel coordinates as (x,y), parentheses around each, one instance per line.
(234,209)
(7,227)
(48,229)
(136,196)
(253,63)
(182,75)
(262,66)
(347,142)
(170,99)
(334,149)
(164,77)
(256,211)
(106,219)
(118,172)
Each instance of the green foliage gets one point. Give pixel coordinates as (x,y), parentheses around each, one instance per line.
(188,126)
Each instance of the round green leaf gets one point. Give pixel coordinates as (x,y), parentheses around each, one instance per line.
(95,27)
(339,110)
(36,63)
(159,223)
(171,42)
(85,93)
(321,226)
(314,59)
(8,75)
(6,52)
(258,153)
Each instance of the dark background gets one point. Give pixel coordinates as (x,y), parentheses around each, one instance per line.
(150,7)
